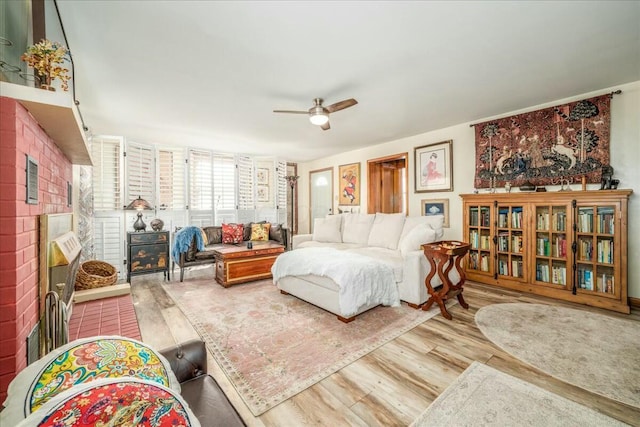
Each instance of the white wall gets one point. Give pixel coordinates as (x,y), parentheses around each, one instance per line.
(625,159)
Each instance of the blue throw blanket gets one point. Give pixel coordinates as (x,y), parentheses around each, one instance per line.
(182,241)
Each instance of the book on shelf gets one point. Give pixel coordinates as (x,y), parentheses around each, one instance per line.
(516,268)
(605,220)
(559,221)
(585,220)
(542,221)
(516,217)
(604,251)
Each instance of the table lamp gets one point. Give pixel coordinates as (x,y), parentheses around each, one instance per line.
(139,205)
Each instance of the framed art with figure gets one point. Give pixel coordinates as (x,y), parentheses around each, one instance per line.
(349,185)
(434,167)
(432,207)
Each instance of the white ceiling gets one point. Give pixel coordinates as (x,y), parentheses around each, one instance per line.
(209,74)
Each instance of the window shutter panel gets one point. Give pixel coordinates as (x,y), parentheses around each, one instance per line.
(171,179)
(200,180)
(246,201)
(107,243)
(224,182)
(140,173)
(106,179)
(281,191)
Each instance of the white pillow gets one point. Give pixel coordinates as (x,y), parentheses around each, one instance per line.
(356,228)
(419,235)
(327,229)
(434,221)
(386,229)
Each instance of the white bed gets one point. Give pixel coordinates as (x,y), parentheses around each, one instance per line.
(340,282)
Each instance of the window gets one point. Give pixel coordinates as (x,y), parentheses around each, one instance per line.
(171,175)
(200,180)
(140,173)
(105,154)
(224,182)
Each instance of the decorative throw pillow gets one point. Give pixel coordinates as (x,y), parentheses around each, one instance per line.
(232,233)
(260,232)
(357,227)
(276,233)
(115,401)
(386,229)
(327,229)
(80,362)
(418,236)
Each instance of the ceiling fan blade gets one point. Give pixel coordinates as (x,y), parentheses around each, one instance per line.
(326,126)
(291,111)
(341,105)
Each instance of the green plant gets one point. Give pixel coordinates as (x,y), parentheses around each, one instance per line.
(46,58)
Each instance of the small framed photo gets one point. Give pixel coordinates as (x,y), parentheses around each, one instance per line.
(432,207)
(349,184)
(262,193)
(262,176)
(434,167)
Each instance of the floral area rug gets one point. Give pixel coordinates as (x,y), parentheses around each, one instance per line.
(597,352)
(483,396)
(272,346)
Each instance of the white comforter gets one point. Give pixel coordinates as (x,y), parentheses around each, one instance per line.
(362,280)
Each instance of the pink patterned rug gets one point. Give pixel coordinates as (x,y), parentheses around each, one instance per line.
(273,346)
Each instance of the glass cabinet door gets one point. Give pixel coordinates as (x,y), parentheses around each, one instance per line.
(479,218)
(510,241)
(595,255)
(551,247)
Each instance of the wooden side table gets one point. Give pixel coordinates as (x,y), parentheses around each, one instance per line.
(449,252)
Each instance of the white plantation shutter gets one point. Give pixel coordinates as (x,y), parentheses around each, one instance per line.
(224,182)
(200,180)
(246,200)
(141,176)
(106,173)
(108,243)
(171,179)
(281,191)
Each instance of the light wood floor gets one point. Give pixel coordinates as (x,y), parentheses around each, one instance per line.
(390,386)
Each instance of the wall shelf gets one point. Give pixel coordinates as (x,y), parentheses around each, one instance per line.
(57,115)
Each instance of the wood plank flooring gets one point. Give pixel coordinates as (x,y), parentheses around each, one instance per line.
(390,386)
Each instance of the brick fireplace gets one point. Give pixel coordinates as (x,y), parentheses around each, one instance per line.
(21,135)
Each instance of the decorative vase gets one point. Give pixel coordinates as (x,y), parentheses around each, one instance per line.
(157,224)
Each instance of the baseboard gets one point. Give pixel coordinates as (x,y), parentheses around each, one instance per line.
(634,302)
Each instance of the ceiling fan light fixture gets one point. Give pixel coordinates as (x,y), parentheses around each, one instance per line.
(318,119)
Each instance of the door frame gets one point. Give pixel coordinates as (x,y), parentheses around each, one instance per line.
(373,187)
(310,189)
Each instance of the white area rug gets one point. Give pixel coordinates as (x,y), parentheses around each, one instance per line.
(593,351)
(483,396)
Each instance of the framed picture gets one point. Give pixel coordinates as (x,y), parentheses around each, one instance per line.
(432,207)
(434,167)
(262,176)
(349,185)
(262,193)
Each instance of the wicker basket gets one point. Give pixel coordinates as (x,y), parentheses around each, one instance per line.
(95,274)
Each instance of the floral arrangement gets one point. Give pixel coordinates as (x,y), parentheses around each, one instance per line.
(46,58)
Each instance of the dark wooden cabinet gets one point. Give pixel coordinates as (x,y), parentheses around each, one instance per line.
(147,252)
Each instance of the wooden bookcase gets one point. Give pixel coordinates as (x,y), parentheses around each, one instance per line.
(570,245)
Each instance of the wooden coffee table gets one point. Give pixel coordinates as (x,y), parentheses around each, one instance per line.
(238,264)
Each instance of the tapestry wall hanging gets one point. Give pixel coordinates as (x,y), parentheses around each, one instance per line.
(566,142)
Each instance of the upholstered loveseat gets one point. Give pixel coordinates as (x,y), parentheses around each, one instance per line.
(392,239)
(211,238)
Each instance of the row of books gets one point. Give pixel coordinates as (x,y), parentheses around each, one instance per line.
(556,274)
(605,220)
(605,251)
(516,268)
(479,241)
(585,249)
(603,282)
(478,261)
(480,218)
(557,247)
(557,221)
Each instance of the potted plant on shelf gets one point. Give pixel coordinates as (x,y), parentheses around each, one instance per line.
(47,58)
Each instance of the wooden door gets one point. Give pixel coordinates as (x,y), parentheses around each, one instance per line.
(387,183)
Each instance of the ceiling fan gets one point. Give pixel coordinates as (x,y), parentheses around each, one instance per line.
(319,115)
